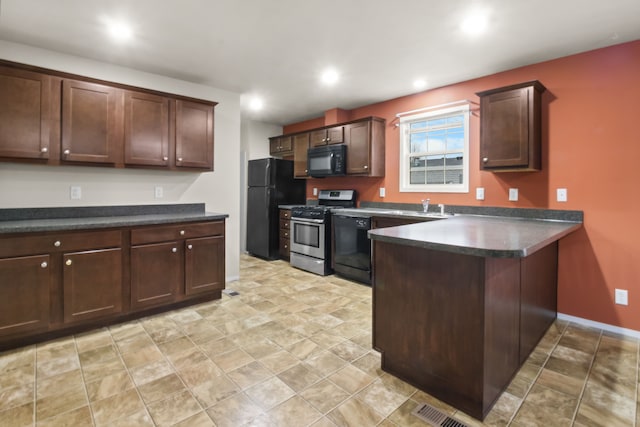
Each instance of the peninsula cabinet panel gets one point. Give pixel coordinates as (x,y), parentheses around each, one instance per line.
(24,114)
(92,283)
(24,294)
(194,135)
(90,131)
(146,129)
(156,274)
(204,265)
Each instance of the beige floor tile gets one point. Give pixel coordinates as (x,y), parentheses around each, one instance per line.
(143,356)
(18,375)
(176,346)
(304,349)
(325,395)
(16,396)
(57,366)
(187,358)
(559,408)
(369,363)
(125,330)
(161,388)
(327,339)
(134,343)
(96,371)
(174,409)
(270,393)
(250,375)
(18,416)
(325,363)
(216,347)
(261,348)
(299,377)
(80,417)
(146,373)
(403,416)
(323,422)
(279,361)
(165,334)
(294,412)
(595,416)
(93,339)
(16,358)
(200,372)
(559,382)
(116,407)
(201,419)
(53,405)
(348,350)
(609,402)
(351,379)
(55,350)
(66,382)
(382,397)
(215,390)
(354,413)
(139,418)
(95,355)
(234,411)
(109,385)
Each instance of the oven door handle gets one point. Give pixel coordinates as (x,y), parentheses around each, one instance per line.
(307,220)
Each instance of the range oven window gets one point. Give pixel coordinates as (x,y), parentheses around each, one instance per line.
(306,234)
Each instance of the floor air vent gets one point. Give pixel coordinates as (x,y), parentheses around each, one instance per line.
(435,417)
(230,292)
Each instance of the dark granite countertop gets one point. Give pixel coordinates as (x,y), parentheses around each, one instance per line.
(486,236)
(26,220)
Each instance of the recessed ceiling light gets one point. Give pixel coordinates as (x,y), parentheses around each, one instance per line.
(419,83)
(475,24)
(330,76)
(119,31)
(256,104)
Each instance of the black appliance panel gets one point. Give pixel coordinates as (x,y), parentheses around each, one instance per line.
(352,247)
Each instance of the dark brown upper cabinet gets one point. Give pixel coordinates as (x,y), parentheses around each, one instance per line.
(510,128)
(281,146)
(89,126)
(194,135)
(365,147)
(25,114)
(332,135)
(300,147)
(146,129)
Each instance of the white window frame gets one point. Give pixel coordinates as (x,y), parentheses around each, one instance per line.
(405,153)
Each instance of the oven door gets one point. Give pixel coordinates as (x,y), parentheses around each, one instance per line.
(307,237)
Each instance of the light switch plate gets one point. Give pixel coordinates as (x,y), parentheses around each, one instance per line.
(75,192)
(513,194)
(382,192)
(622,297)
(315,191)
(479,193)
(561,194)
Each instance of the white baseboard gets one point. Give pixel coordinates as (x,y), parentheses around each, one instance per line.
(231,278)
(603,326)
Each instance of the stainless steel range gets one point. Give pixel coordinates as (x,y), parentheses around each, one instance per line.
(311,231)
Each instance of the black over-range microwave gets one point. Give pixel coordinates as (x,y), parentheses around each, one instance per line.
(327,160)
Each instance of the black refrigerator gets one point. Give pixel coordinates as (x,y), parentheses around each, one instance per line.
(271,184)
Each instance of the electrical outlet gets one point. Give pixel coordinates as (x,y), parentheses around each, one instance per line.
(622,297)
(159,192)
(382,192)
(315,191)
(75,192)
(513,194)
(561,194)
(479,193)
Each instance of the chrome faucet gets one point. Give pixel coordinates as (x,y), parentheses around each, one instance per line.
(441,206)
(425,205)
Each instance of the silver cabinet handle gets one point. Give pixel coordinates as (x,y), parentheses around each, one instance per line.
(44,264)
(182,232)
(69,262)
(174,250)
(165,158)
(57,243)
(189,247)
(485,159)
(44,150)
(179,159)
(66,152)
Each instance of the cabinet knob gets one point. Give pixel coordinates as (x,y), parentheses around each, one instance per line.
(66,152)
(44,150)
(179,159)
(286,214)
(44,264)
(328,139)
(285,246)
(286,234)
(366,167)
(174,250)
(189,247)
(182,232)
(324,139)
(57,243)
(306,171)
(165,158)
(68,262)
(485,159)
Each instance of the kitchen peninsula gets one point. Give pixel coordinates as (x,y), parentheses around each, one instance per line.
(460,303)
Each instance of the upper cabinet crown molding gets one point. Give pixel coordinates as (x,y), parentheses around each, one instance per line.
(51,117)
(510,128)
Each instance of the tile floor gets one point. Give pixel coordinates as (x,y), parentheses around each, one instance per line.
(293,349)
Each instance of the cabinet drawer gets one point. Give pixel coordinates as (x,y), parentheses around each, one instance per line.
(285,213)
(284,224)
(35,244)
(284,248)
(284,233)
(173,232)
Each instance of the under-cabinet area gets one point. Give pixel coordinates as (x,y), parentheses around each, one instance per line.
(53,118)
(58,282)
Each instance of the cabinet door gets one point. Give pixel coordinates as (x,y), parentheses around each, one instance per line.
(318,137)
(89,125)
(92,283)
(146,129)
(300,147)
(194,135)
(204,264)
(335,135)
(24,114)
(358,148)
(156,274)
(24,294)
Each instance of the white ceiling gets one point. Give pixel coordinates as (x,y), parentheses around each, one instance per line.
(276,49)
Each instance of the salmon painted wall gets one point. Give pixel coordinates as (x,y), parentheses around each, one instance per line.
(591,146)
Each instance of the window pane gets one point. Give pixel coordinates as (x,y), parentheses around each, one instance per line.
(453,168)
(455,139)
(417,174)
(418,125)
(453,120)
(418,142)
(436,140)
(436,122)
(435,169)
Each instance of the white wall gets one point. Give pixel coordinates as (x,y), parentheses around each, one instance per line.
(23,185)
(254,137)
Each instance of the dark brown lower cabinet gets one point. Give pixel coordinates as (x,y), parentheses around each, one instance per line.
(24,294)
(204,265)
(92,284)
(156,274)
(459,326)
